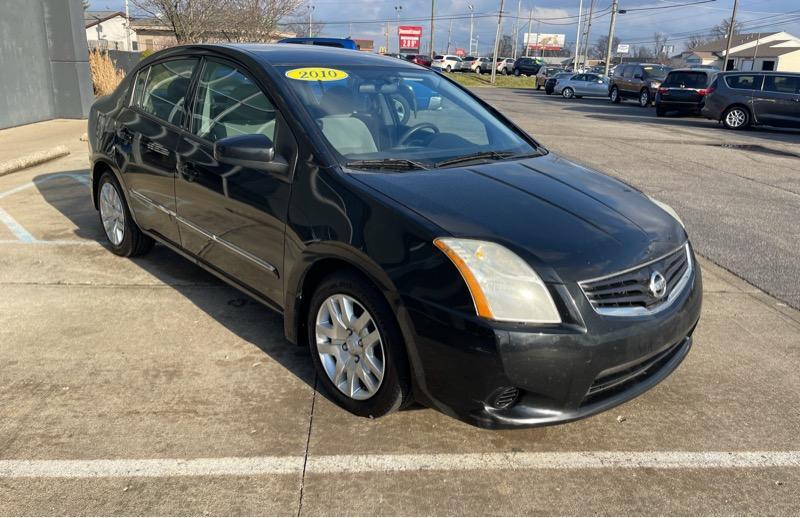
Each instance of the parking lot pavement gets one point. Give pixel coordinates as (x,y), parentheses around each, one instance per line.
(738,192)
(146,386)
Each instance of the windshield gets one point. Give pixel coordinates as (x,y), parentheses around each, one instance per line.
(656,72)
(390,113)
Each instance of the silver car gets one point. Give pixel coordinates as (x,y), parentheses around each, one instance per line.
(580,85)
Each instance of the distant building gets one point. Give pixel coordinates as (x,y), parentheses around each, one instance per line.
(766,51)
(153,34)
(365,45)
(109,30)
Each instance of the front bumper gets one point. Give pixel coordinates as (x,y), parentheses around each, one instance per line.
(466,365)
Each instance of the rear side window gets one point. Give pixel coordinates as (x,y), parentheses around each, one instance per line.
(687,79)
(164,92)
(781,84)
(745,82)
(230,104)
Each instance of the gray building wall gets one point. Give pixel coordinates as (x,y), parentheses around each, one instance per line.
(44,62)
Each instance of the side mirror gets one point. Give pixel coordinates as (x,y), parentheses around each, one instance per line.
(435,102)
(253,151)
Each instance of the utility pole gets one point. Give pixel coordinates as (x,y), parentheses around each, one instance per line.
(578,38)
(497,40)
(526,39)
(387,36)
(398,9)
(614,6)
(449,32)
(516,30)
(731,28)
(127,27)
(433,5)
(310,10)
(588,31)
(349,29)
(471,9)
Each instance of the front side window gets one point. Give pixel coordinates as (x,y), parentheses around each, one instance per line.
(745,82)
(781,84)
(230,104)
(388,113)
(164,93)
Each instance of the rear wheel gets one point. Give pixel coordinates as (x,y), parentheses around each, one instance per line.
(614,95)
(736,118)
(357,348)
(568,93)
(124,236)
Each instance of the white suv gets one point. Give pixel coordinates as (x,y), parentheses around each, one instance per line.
(448,63)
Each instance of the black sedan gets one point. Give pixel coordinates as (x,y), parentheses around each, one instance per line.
(442,256)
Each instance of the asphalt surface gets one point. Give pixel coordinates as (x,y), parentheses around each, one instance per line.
(737,192)
(146,386)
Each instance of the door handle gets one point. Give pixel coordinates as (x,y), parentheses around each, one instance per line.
(188,171)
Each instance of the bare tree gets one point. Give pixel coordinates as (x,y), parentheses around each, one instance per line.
(659,42)
(641,52)
(196,21)
(721,29)
(300,27)
(598,51)
(695,40)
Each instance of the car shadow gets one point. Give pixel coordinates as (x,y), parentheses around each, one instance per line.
(242,315)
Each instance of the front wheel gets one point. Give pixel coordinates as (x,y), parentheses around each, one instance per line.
(644,98)
(449,69)
(357,348)
(736,118)
(124,236)
(614,95)
(517,72)
(568,93)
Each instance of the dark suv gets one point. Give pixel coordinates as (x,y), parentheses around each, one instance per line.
(637,81)
(526,67)
(739,99)
(683,90)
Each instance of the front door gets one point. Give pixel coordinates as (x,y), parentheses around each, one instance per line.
(147,135)
(233,217)
(778,103)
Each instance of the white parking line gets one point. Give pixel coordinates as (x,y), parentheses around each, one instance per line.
(250,466)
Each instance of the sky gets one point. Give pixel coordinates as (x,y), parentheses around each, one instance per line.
(367,18)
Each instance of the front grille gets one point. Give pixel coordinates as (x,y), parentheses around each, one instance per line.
(612,381)
(641,290)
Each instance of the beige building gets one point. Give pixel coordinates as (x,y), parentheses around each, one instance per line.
(153,34)
(765,51)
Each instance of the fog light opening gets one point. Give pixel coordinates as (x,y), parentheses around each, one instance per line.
(506,397)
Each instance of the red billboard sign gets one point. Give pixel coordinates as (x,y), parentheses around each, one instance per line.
(410,36)
(460,52)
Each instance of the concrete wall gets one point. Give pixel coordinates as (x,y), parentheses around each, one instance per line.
(44,62)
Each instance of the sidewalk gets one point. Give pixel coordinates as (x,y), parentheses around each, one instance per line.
(42,139)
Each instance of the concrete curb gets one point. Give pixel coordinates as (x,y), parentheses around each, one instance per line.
(33,159)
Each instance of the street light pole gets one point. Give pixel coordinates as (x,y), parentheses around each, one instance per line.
(497,40)
(471,9)
(516,30)
(310,10)
(527,37)
(588,31)
(578,38)
(449,32)
(614,6)
(398,9)
(731,28)
(433,5)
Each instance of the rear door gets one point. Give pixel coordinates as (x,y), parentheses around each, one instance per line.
(233,217)
(778,103)
(147,136)
(624,82)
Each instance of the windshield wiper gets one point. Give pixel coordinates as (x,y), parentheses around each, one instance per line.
(485,155)
(387,163)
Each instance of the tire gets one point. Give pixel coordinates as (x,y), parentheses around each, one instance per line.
(567,93)
(449,69)
(393,390)
(660,112)
(402,108)
(614,95)
(645,98)
(736,118)
(504,71)
(124,236)
(516,72)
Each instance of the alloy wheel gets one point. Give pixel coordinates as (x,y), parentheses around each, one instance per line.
(736,118)
(644,98)
(350,347)
(567,93)
(112,214)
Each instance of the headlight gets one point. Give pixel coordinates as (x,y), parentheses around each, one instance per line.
(669,210)
(502,285)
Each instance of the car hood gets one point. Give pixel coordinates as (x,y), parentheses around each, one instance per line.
(569,222)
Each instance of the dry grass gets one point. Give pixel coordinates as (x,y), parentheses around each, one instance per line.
(105,76)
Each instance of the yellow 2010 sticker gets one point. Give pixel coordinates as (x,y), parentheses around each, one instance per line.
(316,74)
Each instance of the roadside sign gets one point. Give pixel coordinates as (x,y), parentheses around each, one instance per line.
(623,48)
(410,36)
(537,41)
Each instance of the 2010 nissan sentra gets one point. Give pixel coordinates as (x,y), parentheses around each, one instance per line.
(421,245)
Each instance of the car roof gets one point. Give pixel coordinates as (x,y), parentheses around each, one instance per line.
(277,54)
